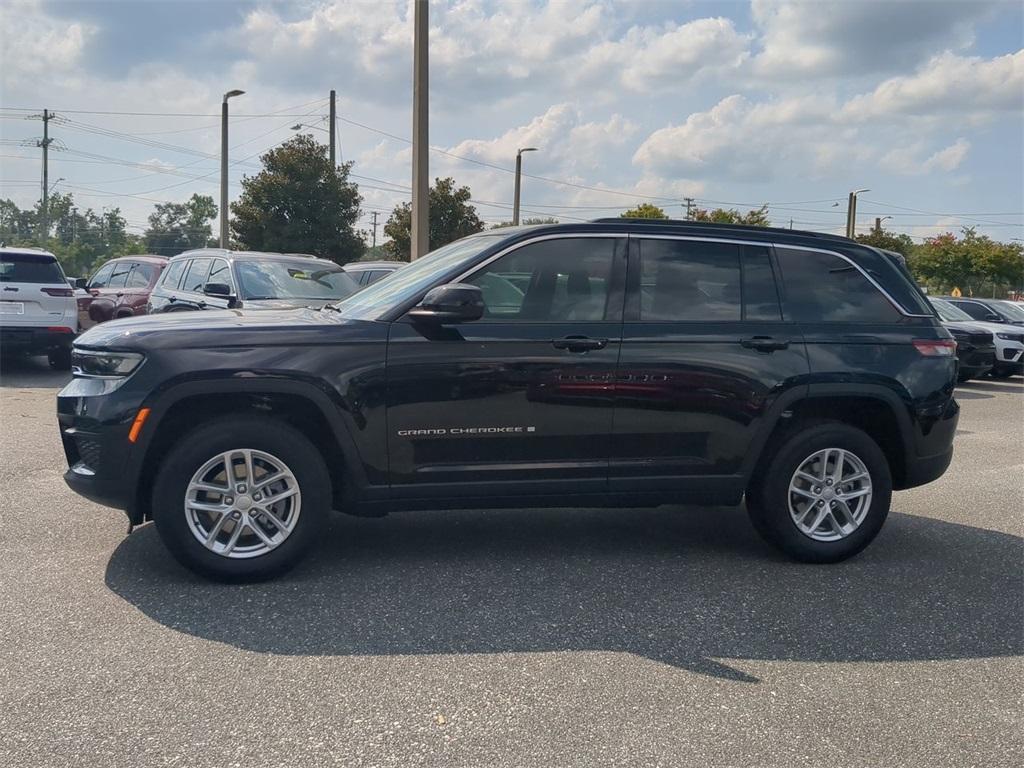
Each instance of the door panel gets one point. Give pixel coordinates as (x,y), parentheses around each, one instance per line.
(697,372)
(521,400)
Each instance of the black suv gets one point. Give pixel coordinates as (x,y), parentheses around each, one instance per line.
(213,278)
(616,362)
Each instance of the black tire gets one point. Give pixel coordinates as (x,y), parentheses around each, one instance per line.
(963,378)
(768,495)
(60,359)
(229,433)
(1001,373)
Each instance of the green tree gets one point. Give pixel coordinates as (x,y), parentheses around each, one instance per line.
(451,217)
(525,222)
(645,211)
(177,227)
(880,238)
(974,263)
(300,203)
(754,218)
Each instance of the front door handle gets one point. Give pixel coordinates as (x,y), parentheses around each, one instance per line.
(764,343)
(579,343)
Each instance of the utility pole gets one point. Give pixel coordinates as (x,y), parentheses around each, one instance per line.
(851,212)
(334,124)
(688,201)
(420,146)
(224,215)
(519,173)
(374,214)
(45,144)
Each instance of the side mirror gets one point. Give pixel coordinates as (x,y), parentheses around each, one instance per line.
(79,282)
(452,303)
(221,290)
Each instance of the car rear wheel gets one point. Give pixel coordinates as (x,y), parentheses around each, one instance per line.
(241,498)
(824,494)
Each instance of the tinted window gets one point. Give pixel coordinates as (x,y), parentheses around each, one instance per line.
(29,268)
(299,279)
(949,312)
(221,273)
(821,287)
(975,310)
(376,275)
(99,280)
(760,295)
(172,274)
(688,281)
(550,281)
(196,276)
(119,277)
(141,275)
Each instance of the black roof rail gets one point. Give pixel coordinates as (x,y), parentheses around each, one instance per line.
(716,225)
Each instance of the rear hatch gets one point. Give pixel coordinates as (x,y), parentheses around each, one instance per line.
(33,291)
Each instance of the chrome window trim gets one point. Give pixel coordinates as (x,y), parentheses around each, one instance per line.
(539,238)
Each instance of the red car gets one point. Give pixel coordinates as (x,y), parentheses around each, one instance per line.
(120,288)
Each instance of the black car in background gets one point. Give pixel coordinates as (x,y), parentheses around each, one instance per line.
(608,363)
(975,346)
(369,272)
(212,278)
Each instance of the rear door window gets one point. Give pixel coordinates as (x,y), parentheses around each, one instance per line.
(29,268)
(689,281)
(196,277)
(141,276)
(821,287)
(172,275)
(760,293)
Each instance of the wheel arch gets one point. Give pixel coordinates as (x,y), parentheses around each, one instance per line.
(179,409)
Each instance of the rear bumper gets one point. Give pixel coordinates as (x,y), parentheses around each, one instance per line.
(34,339)
(935,450)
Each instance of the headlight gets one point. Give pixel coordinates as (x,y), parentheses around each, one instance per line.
(105,365)
(1010,336)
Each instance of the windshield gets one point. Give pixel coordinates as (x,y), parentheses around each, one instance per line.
(408,281)
(950,313)
(299,279)
(1014,311)
(29,268)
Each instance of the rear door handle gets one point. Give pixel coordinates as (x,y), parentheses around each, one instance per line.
(579,343)
(764,343)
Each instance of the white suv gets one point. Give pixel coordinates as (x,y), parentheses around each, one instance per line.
(38,311)
(1009,339)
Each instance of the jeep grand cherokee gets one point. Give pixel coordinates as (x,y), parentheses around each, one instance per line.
(616,362)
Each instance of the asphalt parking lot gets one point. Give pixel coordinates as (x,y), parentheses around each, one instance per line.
(518,638)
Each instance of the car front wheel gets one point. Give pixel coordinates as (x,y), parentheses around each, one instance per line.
(824,495)
(241,498)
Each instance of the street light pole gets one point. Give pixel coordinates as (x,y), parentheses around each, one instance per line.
(851,212)
(519,173)
(878,223)
(420,223)
(224,166)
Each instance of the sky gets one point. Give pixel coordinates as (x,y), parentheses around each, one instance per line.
(792,103)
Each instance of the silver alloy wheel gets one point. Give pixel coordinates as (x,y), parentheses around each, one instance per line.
(830,494)
(242,503)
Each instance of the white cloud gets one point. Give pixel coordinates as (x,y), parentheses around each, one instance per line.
(32,43)
(948,84)
(808,38)
(913,159)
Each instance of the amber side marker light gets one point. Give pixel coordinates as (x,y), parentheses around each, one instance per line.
(140,419)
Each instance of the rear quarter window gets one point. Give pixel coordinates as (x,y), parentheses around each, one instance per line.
(29,268)
(823,288)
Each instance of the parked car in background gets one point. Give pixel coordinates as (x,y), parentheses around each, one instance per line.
(119,288)
(1008,339)
(975,346)
(212,278)
(989,310)
(37,306)
(368,272)
(645,363)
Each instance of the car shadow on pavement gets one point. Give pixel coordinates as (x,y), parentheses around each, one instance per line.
(690,588)
(23,372)
(990,385)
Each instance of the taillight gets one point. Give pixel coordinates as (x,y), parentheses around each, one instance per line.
(935,347)
(58,291)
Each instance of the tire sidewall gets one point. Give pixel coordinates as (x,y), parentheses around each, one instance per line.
(770,507)
(196,448)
